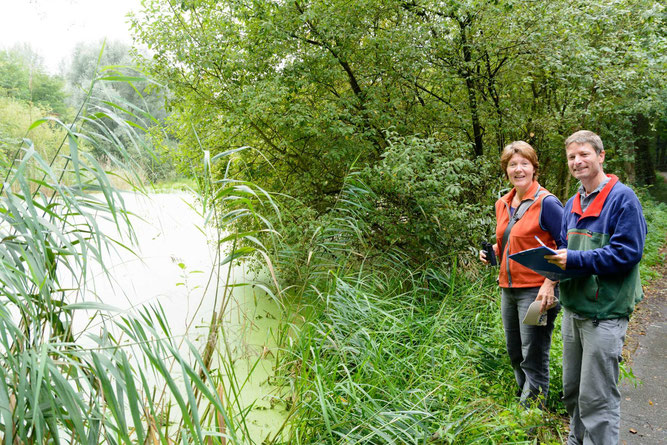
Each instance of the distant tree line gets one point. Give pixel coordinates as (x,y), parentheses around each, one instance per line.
(29,92)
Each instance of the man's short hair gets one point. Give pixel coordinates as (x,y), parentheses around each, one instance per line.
(522,148)
(585,137)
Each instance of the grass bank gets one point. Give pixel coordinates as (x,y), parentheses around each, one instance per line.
(394,355)
(409,357)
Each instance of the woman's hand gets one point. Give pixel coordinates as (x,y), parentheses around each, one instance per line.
(482,254)
(547,295)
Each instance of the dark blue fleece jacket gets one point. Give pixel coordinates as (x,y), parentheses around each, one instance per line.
(607,240)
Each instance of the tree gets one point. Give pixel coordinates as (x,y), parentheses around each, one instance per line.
(86,62)
(316,86)
(22,76)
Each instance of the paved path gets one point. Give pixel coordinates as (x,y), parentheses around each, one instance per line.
(644,406)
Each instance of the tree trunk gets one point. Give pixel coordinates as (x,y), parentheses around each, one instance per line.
(478,144)
(644,168)
(467,73)
(661,147)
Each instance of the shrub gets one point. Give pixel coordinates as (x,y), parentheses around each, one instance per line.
(433,202)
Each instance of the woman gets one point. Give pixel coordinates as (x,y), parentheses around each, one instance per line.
(527,211)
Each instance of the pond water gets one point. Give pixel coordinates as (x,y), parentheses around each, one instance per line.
(174,264)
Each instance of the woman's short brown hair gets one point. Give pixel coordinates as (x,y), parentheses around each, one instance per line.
(521,148)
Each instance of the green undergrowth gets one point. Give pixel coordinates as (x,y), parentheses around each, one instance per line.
(659,190)
(409,357)
(397,355)
(655,213)
(175,185)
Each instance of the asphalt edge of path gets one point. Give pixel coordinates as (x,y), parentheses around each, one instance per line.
(644,393)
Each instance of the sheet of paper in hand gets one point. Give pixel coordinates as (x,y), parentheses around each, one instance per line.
(533,316)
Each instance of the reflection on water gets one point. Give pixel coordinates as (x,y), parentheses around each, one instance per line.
(174,264)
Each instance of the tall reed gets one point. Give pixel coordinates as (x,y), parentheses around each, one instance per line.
(130,380)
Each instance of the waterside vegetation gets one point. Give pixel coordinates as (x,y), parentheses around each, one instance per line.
(72,368)
(348,151)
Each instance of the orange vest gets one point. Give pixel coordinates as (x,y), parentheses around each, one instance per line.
(522,237)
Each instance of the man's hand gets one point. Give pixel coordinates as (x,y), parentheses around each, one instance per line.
(560,259)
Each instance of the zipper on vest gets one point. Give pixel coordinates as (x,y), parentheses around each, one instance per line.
(512,217)
(596,322)
(507,262)
(507,248)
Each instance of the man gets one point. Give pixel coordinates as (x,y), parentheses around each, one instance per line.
(603,233)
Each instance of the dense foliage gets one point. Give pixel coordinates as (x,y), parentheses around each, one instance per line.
(142,99)
(322,87)
(23,77)
(28,92)
(376,127)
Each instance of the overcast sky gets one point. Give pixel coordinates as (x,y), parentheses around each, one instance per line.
(53,27)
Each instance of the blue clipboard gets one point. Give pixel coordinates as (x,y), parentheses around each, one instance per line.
(534,260)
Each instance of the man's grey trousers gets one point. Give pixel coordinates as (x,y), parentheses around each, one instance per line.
(591,358)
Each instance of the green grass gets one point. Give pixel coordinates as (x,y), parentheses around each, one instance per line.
(394,354)
(408,359)
(175,185)
(655,213)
